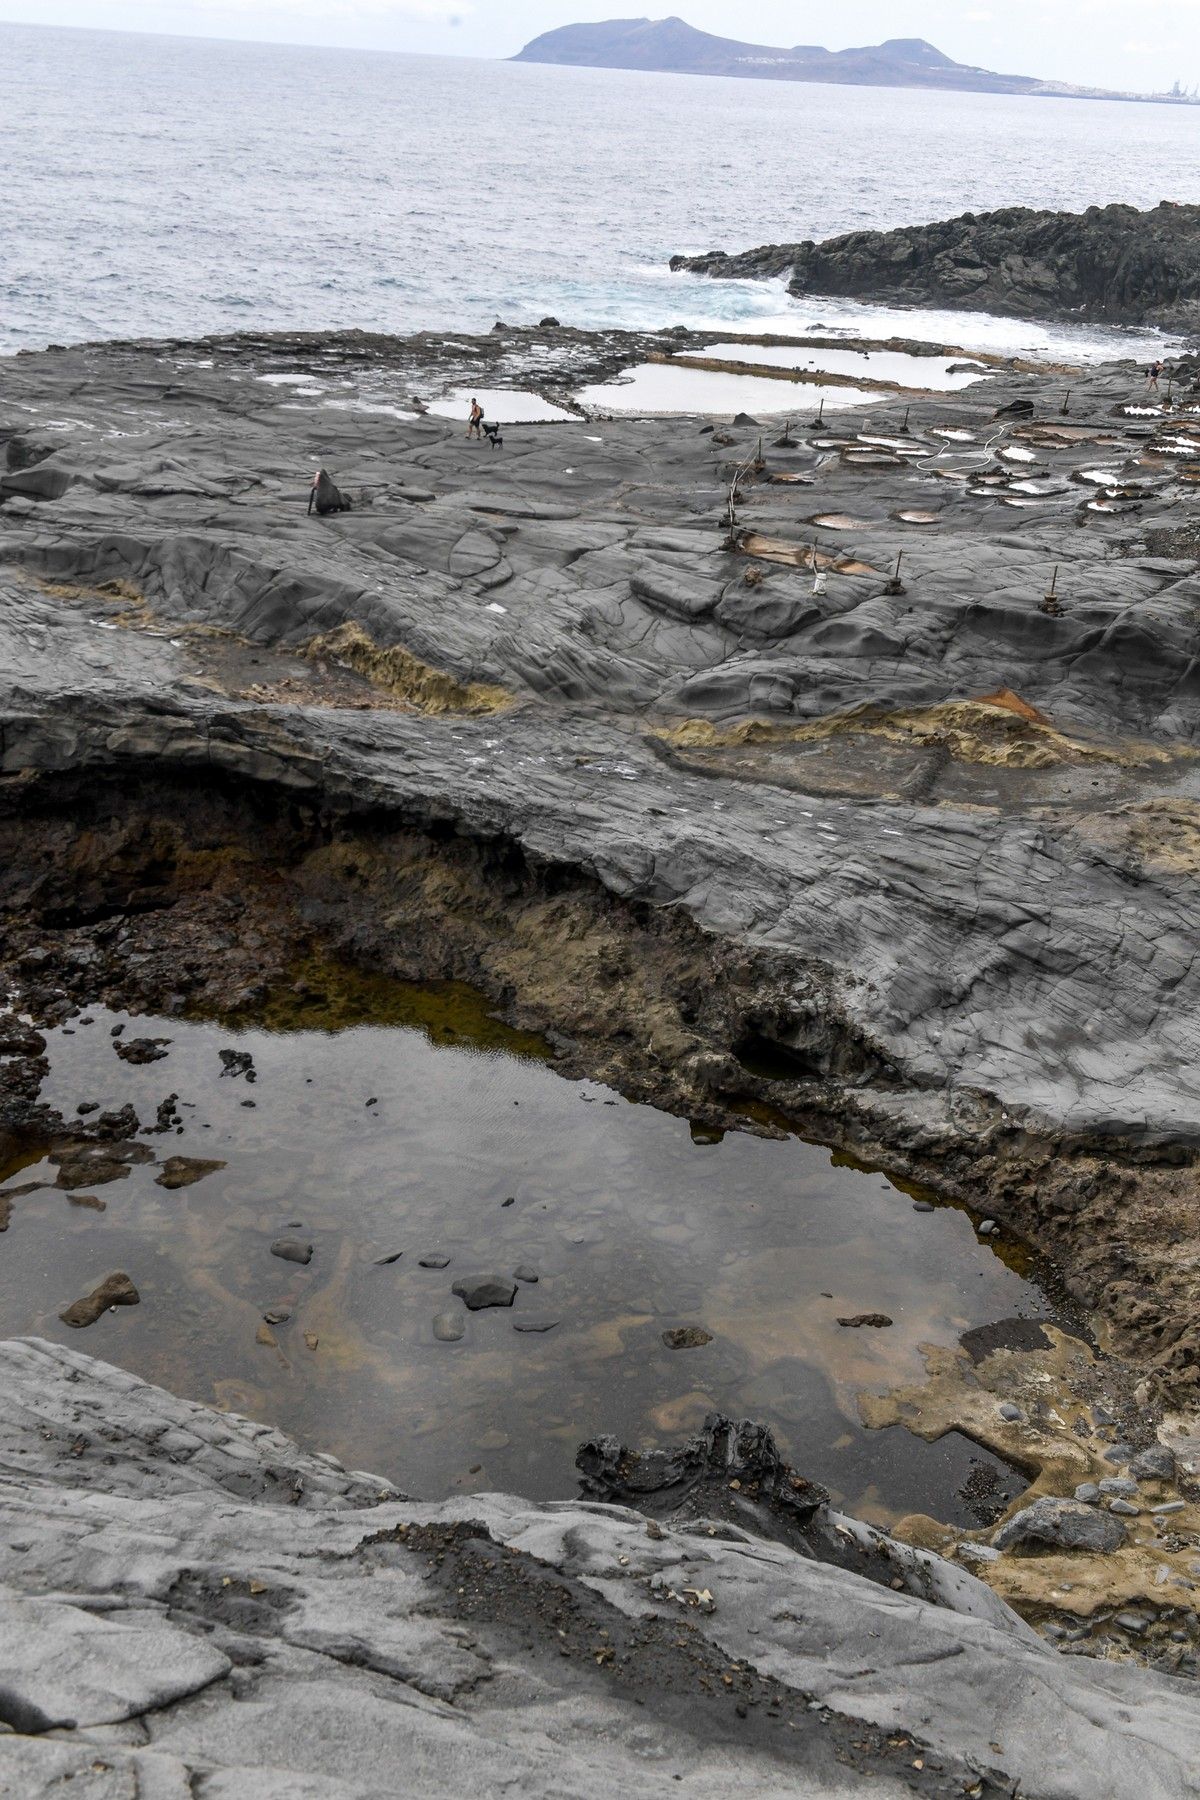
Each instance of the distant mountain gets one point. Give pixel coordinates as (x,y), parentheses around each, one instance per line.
(671,46)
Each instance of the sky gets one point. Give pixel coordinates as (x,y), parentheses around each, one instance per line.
(1129,44)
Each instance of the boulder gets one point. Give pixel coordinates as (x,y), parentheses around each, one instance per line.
(1056,1524)
(478,1291)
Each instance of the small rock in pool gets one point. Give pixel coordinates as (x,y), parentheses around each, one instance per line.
(114,1290)
(923,1206)
(393,1256)
(297,1250)
(989,1228)
(433,1260)
(523,1272)
(87,1106)
(878,1320)
(687,1337)
(478,1291)
(1010,1412)
(182,1171)
(535,1324)
(237,1062)
(449,1327)
(277,1315)
(142,1050)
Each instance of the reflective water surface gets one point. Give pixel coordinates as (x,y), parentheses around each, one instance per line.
(385,1121)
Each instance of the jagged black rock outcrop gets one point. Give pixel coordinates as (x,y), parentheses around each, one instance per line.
(1110,263)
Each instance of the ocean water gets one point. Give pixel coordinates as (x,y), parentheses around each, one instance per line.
(179,186)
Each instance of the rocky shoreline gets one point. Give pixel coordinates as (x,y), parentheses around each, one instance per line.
(192,1602)
(902,855)
(1111,264)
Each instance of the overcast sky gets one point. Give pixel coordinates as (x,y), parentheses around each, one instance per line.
(1143,44)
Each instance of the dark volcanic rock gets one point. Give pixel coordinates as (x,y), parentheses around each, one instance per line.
(687,1337)
(1109,263)
(1154,1464)
(114,1290)
(478,1291)
(878,1320)
(141,1050)
(730,1469)
(1061,1525)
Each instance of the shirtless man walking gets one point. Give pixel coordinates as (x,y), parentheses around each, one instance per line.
(475,420)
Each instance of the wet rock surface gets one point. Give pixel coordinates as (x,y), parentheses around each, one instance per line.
(114,1290)
(869,857)
(1109,263)
(282,1625)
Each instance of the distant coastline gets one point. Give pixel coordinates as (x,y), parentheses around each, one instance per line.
(673,47)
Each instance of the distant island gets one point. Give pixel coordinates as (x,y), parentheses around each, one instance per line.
(673,47)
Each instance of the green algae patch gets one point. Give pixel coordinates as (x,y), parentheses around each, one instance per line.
(324,995)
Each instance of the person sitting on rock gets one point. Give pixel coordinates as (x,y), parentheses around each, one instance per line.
(475,422)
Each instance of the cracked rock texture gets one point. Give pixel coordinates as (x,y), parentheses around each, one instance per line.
(975,903)
(190,1604)
(923,852)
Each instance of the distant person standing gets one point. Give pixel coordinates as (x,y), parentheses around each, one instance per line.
(1152,374)
(475,421)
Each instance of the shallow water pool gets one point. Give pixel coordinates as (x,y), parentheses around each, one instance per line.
(675,388)
(393,1122)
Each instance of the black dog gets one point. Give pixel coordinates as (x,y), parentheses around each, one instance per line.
(493,435)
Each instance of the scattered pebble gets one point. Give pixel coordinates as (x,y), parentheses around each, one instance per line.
(297,1250)
(449,1327)
(1012,1414)
(433,1260)
(523,1272)
(687,1337)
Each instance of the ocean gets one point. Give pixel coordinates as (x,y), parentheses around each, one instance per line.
(169,186)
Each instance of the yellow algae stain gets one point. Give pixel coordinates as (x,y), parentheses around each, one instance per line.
(404,675)
(999,729)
